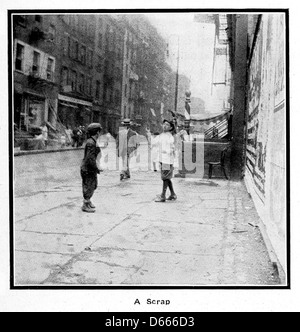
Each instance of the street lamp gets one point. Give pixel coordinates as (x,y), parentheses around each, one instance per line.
(177,70)
(187,120)
(176,85)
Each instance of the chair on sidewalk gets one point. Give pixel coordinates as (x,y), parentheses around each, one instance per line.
(220,163)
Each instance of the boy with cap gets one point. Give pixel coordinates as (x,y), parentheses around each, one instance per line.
(166,158)
(89,169)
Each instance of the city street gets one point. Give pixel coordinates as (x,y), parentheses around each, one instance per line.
(210,236)
(204,91)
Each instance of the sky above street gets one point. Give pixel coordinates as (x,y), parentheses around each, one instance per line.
(196,42)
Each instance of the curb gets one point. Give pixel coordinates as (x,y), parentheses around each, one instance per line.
(27,152)
(278,269)
(22,153)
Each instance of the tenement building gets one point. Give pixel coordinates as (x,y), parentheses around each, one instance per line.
(69,70)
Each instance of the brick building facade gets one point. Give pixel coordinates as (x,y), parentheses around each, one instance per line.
(72,69)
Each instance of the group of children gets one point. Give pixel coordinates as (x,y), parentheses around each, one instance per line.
(163,152)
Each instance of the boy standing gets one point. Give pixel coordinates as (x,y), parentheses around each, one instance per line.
(166,158)
(89,169)
(126,143)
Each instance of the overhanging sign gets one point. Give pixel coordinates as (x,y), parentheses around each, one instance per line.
(74,100)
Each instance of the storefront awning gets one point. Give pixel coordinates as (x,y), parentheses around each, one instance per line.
(34,93)
(211,119)
(67,104)
(68,99)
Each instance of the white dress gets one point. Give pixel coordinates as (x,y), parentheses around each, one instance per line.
(166,148)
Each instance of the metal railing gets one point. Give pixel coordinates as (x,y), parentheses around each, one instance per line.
(219,130)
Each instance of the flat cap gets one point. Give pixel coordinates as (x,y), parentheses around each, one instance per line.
(94,126)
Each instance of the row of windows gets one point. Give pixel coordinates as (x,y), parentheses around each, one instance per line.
(76,81)
(130,111)
(81,83)
(70,79)
(39,64)
(22,19)
(48,35)
(110,95)
(78,52)
(80,23)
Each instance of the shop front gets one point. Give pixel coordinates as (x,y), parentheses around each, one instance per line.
(29,109)
(36,110)
(74,112)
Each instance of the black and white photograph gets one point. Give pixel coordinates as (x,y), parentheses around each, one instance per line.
(148,154)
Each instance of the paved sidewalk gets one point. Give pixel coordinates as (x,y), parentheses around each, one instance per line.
(208,237)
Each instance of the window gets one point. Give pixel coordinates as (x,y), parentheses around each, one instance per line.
(76,21)
(89,86)
(49,71)
(69,46)
(98,90)
(73,80)
(106,67)
(20,20)
(83,54)
(99,64)
(51,33)
(81,83)
(66,44)
(117,96)
(76,50)
(108,93)
(104,92)
(36,62)
(90,58)
(112,68)
(100,42)
(119,54)
(73,21)
(106,41)
(125,90)
(84,26)
(64,76)
(73,49)
(19,57)
(91,30)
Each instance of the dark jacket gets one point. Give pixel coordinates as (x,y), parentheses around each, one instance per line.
(91,151)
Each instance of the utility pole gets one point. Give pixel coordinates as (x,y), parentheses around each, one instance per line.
(176,84)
